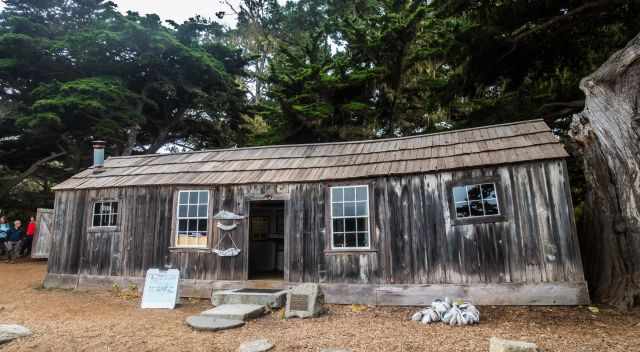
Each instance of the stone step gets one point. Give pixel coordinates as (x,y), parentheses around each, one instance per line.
(210,323)
(265,297)
(235,311)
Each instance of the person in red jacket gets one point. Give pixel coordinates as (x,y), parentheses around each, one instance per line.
(28,239)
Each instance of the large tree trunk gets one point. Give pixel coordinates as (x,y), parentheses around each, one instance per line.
(608,134)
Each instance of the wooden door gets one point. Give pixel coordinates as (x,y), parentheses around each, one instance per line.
(44,234)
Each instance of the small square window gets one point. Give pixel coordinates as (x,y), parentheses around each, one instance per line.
(105,214)
(477,200)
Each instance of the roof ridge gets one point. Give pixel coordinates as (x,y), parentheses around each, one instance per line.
(329,143)
(307,157)
(98,176)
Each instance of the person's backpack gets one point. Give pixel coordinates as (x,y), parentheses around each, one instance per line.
(4,228)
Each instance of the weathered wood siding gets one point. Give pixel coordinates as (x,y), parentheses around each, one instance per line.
(413,238)
(44,232)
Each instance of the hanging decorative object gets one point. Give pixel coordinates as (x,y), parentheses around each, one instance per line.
(229,252)
(227,215)
(224,227)
(225,231)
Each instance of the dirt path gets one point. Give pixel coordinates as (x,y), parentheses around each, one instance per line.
(105,321)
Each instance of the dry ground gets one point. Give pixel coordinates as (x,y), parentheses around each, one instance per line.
(105,321)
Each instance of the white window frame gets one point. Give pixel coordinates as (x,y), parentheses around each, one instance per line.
(482,199)
(368,217)
(108,214)
(197,218)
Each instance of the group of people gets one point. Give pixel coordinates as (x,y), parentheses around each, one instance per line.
(14,240)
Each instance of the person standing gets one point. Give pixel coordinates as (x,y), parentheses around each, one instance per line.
(28,240)
(14,236)
(4,228)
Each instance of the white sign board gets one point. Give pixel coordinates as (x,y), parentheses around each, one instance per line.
(161,289)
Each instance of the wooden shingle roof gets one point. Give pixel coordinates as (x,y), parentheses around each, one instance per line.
(482,146)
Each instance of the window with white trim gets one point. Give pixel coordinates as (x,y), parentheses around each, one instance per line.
(476,200)
(350,217)
(105,214)
(193,215)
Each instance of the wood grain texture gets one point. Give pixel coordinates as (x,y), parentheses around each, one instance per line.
(414,240)
(483,146)
(557,293)
(44,231)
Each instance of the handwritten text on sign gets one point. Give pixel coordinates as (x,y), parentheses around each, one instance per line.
(160,289)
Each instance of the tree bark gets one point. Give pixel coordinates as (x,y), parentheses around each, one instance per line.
(607,132)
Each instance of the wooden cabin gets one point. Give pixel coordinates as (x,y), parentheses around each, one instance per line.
(483,214)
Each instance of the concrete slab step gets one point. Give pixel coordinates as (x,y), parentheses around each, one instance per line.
(210,323)
(265,297)
(235,311)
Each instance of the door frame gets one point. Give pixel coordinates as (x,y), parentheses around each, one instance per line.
(256,197)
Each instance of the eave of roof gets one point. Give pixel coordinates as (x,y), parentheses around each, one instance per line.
(475,147)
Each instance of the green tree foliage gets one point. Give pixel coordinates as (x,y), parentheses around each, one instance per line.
(346,70)
(76,70)
(370,68)
(300,71)
(523,59)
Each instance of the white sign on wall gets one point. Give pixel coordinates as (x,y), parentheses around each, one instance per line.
(161,289)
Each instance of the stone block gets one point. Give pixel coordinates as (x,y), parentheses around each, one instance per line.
(263,297)
(261,345)
(236,311)
(209,323)
(500,345)
(304,301)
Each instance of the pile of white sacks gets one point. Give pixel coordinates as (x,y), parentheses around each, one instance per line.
(448,313)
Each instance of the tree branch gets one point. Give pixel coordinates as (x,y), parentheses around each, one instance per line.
(524,32)
(163,134)
(30,171)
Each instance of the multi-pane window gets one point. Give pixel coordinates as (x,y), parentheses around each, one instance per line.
(476,200)
(193,213)
(350,217)
(105,214)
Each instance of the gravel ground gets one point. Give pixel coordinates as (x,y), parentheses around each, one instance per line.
(65,320)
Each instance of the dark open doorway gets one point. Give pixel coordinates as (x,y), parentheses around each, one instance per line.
(266,240)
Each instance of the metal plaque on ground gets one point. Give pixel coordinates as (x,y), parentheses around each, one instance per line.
(299,302)
(161,289)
